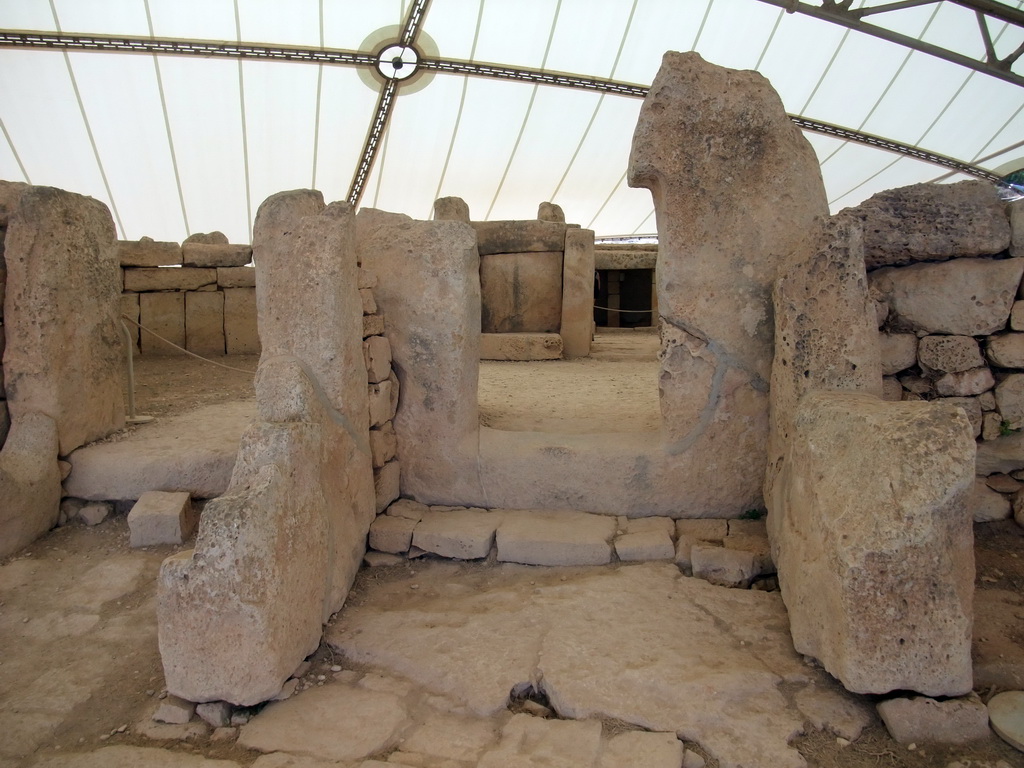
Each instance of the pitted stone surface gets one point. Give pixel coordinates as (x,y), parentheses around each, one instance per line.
(966,297)
(949,354)
(920,719)
(899,352)
(874,518)
(703,658)
(931,222)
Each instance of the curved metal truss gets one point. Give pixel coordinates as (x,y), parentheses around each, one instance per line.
(836,11)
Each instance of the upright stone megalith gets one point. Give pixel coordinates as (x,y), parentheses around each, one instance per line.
(277,554)
(736,189)
(64,354)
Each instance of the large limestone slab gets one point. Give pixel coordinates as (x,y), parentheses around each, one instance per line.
(532,741)
(163,320)
(966,297)
(204,255)
(168,279)
(932,222)
(464,534)
(193,452)
(577,323)
(521,292)
(825,336)
(241,334)
(276,555)
(521,346)
(63,354)
(555,537)
(528,236)
(148,253)
(874,545)
(29,481)
(335,722)
(132,757)
(204,322)
(703,659)
(439,258)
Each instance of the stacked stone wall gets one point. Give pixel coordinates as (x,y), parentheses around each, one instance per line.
(945,276)
(200,295)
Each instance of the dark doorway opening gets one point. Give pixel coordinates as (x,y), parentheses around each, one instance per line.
(626,296)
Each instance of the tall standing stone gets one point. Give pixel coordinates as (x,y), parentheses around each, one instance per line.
(277,554)
(577,327)
(64,355)
(736,189)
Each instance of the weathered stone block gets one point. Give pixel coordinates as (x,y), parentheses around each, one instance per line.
(526,236)
(206,238)
(168,279)
(391,533)
(386,484)
(1017,316)
(971,408)
(236,277)
(161,517)
(174,710)
(576,327)
(29,481)
(377,356)
(1016,228)
(965,383)
(920,719)
(204,322)
(664,525)
(373,325)
(898,351)
(758,547)
(991,426)
(892,390)
(451,209)
(94,513)
(644,545)
(550,212)
(625,256)
(463,534)
(930,222)
(148,253)
(873,545)
(241,333)
(949,354)
(1006,350)
(1010,399)
(986,505)
(556,537)
(520,346)
(215,255)
(164,314)
(521,292)
(965,297)
(703,529)
(383,444)
(380,402)
(277,554)
(723,567)
(64,352)
(369,303)
(408,508)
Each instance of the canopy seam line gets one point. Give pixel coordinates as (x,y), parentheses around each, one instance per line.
(245,132)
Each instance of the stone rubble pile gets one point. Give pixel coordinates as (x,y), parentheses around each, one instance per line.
(731,553)
(206,301)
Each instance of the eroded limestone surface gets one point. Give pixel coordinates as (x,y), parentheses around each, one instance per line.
(705,663)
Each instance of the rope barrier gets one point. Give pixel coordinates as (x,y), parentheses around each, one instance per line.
(198,357)
(612,309)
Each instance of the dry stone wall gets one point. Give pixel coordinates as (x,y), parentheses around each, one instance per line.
(946,285)
(200,295)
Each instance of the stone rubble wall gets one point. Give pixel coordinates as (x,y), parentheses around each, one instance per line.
(947,291)
(201,295)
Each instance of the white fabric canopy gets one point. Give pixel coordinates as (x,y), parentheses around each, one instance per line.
(182,144)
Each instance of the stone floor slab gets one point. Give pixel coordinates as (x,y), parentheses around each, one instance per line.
(308,724)
(532,742)
(133,757)
(462,534)
(651,750)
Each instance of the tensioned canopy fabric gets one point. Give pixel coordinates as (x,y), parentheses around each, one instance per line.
(183,115)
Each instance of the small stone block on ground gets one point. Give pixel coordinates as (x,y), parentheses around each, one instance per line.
(921,719)
(555,537)
(391,533)
(644,545)
(161,517)
(643,524)
(174,710)
(723,567)
(463,534)
(704,529)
